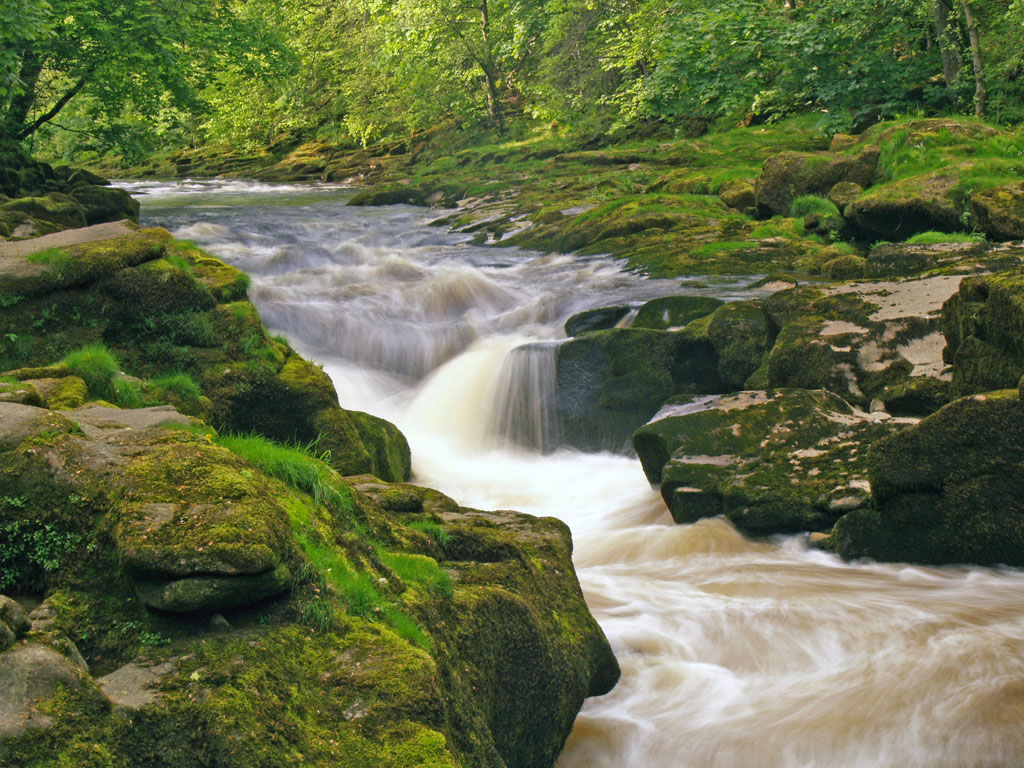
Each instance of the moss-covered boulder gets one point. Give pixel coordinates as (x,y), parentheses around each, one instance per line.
(19,392)
(740,334)
(58,394)
(102,203)
(739,194)
(56,208)
(411,631)
(608,383)
(674,312)
(598,319)
(983,324)
(948,490)
(999,212)
(775,461)
(794,174)
(899,209)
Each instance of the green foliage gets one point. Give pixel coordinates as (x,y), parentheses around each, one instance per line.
(127,392)
(27,547)
(181,385)
(96,366)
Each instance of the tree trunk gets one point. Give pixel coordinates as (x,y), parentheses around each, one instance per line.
(950,59)
(490,71)
(979,78)
(13,123)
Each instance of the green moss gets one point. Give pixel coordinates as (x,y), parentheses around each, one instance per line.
(674,311)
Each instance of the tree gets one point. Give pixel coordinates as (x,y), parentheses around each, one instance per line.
(121,53)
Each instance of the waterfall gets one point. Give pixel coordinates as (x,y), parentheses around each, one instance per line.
(525,412)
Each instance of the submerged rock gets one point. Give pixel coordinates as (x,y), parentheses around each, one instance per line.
(948,490)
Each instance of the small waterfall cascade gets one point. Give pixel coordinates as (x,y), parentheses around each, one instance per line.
(525,411)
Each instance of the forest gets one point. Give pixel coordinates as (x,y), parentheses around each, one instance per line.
(91,77)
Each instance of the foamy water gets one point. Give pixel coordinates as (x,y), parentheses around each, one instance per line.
(734,652)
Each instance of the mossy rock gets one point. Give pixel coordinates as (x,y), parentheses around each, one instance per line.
(776,461)
(23,392)
(391,195)
(741,336)
(918,396)
(386,445)
(999,212)
(81,265)
(847,267)
(843,193)
(801,357)
(101,203)
(595,320)
(674,312)
(947,490)
(55,208)
(738,194)
(61,394)
(983,324)
(610,382)
(900,209)
(790,175)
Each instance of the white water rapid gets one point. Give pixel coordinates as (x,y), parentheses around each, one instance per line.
(734,653)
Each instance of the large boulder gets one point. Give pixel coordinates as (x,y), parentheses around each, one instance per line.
(999,212)
(56,208)
(608,383)
(102,204)
(790,175)
(948,490)
(983,324)
(770,461)
(674,312)
(902,208)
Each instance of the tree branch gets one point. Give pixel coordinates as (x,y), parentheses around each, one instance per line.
(51,113)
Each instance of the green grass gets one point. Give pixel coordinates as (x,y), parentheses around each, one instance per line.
(436,531)
(932,238)
(297,466)
(808,204)
(54,258)
(96,366)
(181,385)
(418,569)
(127,393)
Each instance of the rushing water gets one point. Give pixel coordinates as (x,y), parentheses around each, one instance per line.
(733,652)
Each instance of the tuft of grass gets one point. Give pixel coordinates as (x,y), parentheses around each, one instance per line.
(297,466)
(808,204)
(436,531)
(127,393)
(419,569)
(181,385)
(932,238)
(96,366)
(54,258)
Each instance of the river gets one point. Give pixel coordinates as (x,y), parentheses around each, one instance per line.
(733,652)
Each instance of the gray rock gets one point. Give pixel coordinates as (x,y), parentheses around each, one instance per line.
(28,674)
(212,593)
